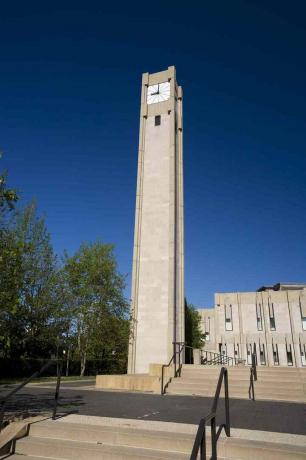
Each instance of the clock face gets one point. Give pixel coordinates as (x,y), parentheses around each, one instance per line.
(158,93)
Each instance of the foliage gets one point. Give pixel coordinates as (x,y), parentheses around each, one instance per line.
(98,309)
(193,335)
(8,196)
(46,309)
(28,278)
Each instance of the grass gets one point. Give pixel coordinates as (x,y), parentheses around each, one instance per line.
(46,379)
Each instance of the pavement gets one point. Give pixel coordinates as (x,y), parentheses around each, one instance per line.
(76,397)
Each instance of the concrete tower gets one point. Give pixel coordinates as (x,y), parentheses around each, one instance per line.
(158,258)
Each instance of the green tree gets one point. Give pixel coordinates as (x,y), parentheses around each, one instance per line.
(99,310)
(29,302)
(193,335)
(11,280)
(8,196)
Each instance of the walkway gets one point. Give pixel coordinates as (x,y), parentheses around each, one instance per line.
(258,415)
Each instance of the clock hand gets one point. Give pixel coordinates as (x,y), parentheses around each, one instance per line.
(157,92)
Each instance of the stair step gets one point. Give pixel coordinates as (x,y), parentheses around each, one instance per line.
(279,386)
(241,395)
(114,435)
(64,440)
(29,457)
(71,450)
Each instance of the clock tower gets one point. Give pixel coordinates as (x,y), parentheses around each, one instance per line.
(158,257)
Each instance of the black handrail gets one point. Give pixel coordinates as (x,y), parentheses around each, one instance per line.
(253,377)
(177,370)
(200,440)
(36,374)
(212,358)
(254,365)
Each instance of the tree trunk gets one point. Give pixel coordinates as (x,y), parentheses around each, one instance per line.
(83,364)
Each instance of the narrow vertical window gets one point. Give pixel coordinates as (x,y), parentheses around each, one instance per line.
(157,120)
(249,354)
(207,329)
(275,354)
(228,318)
(262,355)
(272,317)
(303,354)
(236,353)
(258,317)
(289,354)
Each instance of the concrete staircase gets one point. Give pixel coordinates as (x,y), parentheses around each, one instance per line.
(96,438)
(282,384)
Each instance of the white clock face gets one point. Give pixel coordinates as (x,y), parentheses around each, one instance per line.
(158,93)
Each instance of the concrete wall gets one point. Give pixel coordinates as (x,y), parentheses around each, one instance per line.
(158,259)
(277,342)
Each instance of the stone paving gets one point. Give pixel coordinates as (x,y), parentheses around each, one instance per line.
(272,416)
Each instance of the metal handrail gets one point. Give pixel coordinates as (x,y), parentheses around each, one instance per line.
(177,371)
(253,377)
(213,358)
(36,374)
(200,440)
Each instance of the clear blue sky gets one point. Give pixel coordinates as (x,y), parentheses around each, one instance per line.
(69,110)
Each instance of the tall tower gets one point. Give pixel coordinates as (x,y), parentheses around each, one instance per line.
(158,258)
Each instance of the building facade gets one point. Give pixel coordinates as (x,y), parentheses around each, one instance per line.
(270,322)
(158,257)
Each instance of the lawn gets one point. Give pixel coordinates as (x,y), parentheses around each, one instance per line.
(46,379)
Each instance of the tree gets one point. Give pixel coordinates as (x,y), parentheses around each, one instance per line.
(29,304)
(11,280)
(98,307)
(193,335)
(8,196)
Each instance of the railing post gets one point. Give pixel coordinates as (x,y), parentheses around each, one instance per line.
(203,445)
(254,366)
(174,357)
(162,381)
(227,411)
(213,439)
(1,414)
(58,383)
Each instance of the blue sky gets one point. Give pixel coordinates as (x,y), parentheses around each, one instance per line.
(69,110)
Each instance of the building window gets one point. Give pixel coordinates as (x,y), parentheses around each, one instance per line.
(259,317)
(272,317)
(249,354)
(207,329)
(289,354)
(272,324)
(303,354)
(262,355)
(236,353)
(228,318)
(275,354)
(157,120)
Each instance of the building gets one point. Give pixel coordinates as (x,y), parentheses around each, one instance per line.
(270,322)
(158,257)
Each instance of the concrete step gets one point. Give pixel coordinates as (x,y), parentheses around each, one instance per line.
(27,457)
(262,370)
(139,440)
(264,384)
(114,435)
(232,448)
(71,450)
(238,394)
(265,375)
